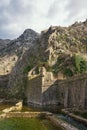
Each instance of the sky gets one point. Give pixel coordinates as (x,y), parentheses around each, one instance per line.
(18,15)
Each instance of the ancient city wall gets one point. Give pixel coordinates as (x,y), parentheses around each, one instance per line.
(72,92)
(3,85)
(33,92)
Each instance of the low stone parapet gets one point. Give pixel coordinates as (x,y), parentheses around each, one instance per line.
(57,122)
(24,114)
(17,107)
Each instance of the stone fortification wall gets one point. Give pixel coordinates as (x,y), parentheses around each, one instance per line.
(74,91)
(33,91)
(4,80)
(49,95)
(44,90)
(3,86)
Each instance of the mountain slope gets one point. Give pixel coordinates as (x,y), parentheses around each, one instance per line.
(59,49)
(13,50)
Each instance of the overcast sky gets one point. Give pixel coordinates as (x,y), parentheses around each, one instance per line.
(18,15)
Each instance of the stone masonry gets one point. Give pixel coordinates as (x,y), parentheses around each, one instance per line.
(43,90)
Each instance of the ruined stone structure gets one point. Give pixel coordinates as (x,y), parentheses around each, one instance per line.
(43,90)
(17,107)
(37,86)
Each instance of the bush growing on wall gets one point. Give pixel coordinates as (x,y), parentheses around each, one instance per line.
(83,66)
(80,64)
(68,72)
(27,69)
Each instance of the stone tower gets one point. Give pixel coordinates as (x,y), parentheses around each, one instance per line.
(37,86)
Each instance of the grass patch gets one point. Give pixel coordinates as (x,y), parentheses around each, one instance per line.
(26,124)
(1,112)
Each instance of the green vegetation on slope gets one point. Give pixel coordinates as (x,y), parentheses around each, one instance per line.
(70,66)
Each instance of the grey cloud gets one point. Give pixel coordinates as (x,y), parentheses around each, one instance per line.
(54,8)
(17,7)
(14,13)
(57,11)
(76,7)
(17,15)
(3,17)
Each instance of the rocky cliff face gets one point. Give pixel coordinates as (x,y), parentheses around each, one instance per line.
(59,49)
(4,43)
(12,51)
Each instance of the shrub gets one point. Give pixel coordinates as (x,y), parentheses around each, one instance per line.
(27,69)
(68,72)
(80,64)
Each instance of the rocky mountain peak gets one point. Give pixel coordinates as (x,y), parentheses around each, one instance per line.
(28,35)
(12,50)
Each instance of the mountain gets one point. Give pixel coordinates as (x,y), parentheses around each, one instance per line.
(59,49)
(12,50)
(28,36)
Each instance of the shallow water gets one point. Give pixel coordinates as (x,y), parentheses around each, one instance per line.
(26,124)
(71,121)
